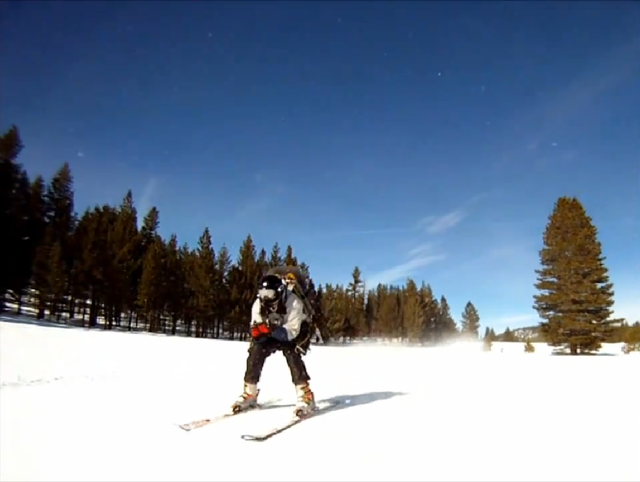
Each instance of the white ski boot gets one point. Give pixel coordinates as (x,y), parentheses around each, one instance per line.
(248,399)
(306,402)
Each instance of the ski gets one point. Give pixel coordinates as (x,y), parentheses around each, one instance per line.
(195,424)
(290,424)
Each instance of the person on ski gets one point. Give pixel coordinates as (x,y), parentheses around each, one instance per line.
(280,321)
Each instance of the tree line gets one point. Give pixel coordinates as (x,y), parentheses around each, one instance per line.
(100,266)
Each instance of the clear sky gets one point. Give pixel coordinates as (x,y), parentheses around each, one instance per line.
(420,138)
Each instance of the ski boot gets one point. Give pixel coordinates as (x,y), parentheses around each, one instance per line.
(248,400)
(306,402)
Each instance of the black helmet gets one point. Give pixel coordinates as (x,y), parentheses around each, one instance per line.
(270,291)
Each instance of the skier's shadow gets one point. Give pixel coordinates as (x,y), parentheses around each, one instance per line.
(342,402)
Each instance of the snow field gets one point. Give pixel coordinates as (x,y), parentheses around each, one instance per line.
(96,406)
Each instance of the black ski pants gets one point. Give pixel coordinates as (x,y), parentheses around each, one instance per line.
(259,352)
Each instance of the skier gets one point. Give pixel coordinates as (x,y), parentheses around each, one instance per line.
(280,321)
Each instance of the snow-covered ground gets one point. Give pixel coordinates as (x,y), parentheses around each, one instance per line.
(91,405)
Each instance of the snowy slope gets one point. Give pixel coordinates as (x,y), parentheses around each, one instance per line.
(89,405)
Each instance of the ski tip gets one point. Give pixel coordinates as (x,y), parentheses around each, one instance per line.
(252,438)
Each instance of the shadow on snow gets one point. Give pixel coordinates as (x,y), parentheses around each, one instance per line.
(29,320)
(342,402)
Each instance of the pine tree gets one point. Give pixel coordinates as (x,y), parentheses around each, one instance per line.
(445,326)
(126,245)
(57,279)
(575,294)
(205,284)
(289,258)
(275,258)
(304,269)
(355,291)
(41,274)
(18,241)
(11,176)
(175,283)
(509,336)
(223,266)
(470,321)
(413,311)
(62,219)
(150,295)
(263,262)
(431,314)
(244,282)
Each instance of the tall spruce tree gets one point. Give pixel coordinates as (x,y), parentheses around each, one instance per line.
(575,294)
(446,328)
(470,322)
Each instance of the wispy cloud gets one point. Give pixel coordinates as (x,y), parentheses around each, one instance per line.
(421,250)
(146,199)
(440,224)
(419,257)
(430,224)
(402,271)
(445,222)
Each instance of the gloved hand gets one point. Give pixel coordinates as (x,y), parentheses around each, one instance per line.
(260,331)
(280,334)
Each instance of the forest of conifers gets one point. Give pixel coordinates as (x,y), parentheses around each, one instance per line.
(98,265)
(101,268)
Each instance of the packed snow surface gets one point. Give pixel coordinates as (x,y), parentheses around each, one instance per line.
(81,405)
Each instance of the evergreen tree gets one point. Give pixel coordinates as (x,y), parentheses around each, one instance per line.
(150,295)
(57,279)
(289,258)
(413,311)
(355,319)
(22,240)
(245,280)
(445,324)
(431,314)
(125,241)
(12,177)
(304,269)
(175,284)
(575,294)
(275,258)
(263,262)
(223,266)
(470,321)
(509,336)
(204,284)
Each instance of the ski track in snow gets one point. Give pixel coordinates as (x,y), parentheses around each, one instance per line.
(95,406)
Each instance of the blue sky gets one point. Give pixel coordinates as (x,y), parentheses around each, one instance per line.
(417,139)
